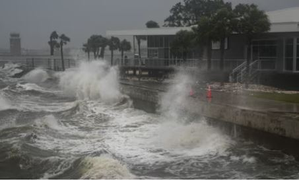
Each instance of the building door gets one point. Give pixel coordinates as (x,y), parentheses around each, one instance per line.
(291,55)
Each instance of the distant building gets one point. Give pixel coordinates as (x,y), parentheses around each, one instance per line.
(275,52)
(15,44)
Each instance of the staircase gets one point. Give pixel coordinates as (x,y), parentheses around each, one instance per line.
(239,74)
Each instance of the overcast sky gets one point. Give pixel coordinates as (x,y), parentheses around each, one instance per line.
(78,19)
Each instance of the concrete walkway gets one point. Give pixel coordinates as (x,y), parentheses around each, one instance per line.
(230,99)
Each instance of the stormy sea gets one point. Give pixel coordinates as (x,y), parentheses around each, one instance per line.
(78,125)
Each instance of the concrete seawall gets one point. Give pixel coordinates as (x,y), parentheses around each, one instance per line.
(277,130)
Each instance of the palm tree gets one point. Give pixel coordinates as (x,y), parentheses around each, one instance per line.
(103,44)
(250,22)
(98,43)
(87,48)
(53,45)
(114,43)
(124,47)
(63,41)
(53,42)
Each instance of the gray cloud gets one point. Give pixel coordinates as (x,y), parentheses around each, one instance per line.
(36,19)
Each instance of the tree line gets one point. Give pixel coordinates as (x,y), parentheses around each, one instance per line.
(97,45)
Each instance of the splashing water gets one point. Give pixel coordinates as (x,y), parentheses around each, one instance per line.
(4,104)
(36,76)
(46,134)
(91,80)
(195,138)
(104,167)
(49,122)
(177,94)
(11,69)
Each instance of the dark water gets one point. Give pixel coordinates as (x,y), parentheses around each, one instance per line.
(49,131)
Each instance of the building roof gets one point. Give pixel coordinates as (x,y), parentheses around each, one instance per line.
(284,15)
(148,31)
(283,20)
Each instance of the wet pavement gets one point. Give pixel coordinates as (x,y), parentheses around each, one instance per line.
(230,99)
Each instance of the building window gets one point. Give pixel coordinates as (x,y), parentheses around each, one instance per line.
(153,53)
(266,52)
(297,56)
(216,45)
(289,54)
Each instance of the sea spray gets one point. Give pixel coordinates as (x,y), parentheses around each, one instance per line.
(11,69)
(37,75)
(49,122)
(192,139)
(104,167)
(4,103)
(176,94)
(91,81)
(181,133)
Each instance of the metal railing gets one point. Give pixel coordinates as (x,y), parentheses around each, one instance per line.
(239,74)
(49,63)
(229,64)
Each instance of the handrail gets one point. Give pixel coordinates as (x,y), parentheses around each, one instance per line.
(239,72)
(239,67)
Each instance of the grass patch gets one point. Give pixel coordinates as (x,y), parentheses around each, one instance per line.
(290,98)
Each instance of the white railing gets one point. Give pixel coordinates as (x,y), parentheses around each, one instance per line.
(229,64)
(239,74)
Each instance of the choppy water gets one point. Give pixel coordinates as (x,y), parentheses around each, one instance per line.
(78,125)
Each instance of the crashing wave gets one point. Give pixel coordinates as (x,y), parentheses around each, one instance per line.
(92,81)
(104,167)
(11,69)
(4,103)
(194,139)
(36,76)
(32,87)
(49,122)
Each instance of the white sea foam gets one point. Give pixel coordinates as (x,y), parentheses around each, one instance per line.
(49,122)
(104,167)
(191,139)
(91,80)
(31,86)
(4,103)
(244,159)
(11,69)
(196,138)
(37,75)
